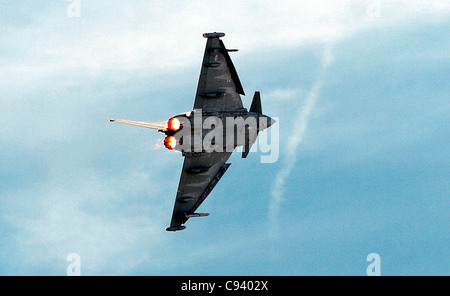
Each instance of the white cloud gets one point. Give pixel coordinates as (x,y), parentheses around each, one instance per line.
(80,216)
(347,18)
(296,137)
(151,35)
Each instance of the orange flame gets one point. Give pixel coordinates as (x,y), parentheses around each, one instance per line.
(174,124)
(170,142)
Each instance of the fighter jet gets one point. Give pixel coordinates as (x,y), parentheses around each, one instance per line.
(208,135)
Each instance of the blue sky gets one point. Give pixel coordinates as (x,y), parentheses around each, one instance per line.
(361,91)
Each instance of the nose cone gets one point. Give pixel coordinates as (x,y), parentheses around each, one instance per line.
(271,122)
(266,122)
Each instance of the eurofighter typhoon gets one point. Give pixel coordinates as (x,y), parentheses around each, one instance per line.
(208,135)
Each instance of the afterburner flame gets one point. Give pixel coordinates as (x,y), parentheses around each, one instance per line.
(170,142)
(174,124)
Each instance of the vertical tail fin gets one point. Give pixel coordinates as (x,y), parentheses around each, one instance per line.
(255,108)
(256,103)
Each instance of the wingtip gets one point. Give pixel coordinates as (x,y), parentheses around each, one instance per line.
(214,35)
(175,228)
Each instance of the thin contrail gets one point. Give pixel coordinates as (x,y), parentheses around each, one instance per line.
(296,138)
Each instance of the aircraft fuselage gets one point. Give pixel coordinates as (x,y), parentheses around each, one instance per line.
(205,131)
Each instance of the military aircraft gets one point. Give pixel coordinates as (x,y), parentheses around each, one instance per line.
(208,135)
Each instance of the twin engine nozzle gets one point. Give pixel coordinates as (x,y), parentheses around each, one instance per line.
(173,126)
